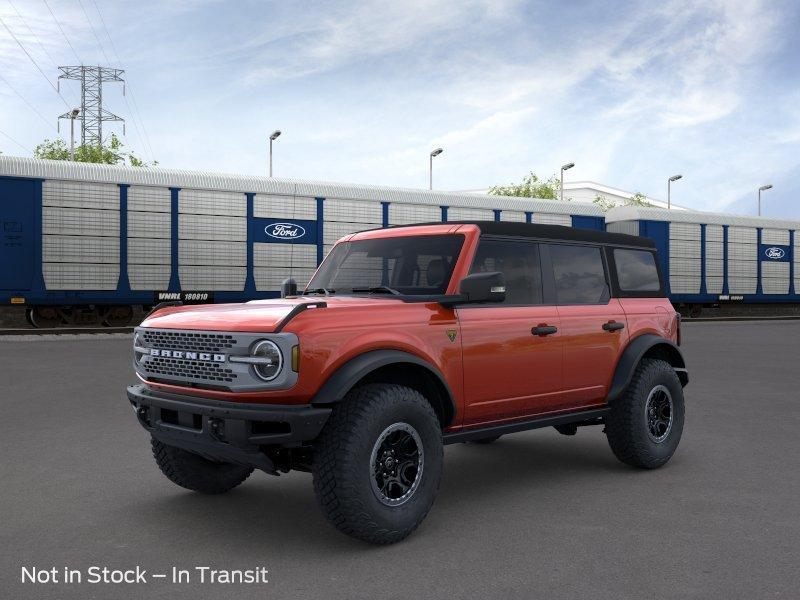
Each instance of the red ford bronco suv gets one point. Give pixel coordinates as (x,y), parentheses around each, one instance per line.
(406,339)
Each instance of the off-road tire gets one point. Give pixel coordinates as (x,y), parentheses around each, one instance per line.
(343,468)
(487,440)
(627,426)
(196,473)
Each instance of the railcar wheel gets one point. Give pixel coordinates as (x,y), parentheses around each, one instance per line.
(118,316)
(44,317)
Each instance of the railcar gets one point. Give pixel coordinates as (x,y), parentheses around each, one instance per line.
(714,258)
(85,243)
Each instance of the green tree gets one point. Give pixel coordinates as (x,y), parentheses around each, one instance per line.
(638,199)
(112,153)
(531,187)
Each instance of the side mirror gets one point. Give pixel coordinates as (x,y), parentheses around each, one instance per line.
(288,287)
(479,288)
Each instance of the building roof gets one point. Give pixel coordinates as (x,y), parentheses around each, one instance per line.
(638,213)
(156,176)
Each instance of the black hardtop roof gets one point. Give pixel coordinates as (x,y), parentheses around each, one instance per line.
(551,232)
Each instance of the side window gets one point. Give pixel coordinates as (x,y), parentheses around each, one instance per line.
(579,274)
(636,270)
(519,264)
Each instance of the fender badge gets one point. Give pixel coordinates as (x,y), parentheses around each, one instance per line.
(451,333)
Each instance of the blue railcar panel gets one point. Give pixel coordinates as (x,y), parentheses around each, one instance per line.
(584,222)
(658,231)
(18,228)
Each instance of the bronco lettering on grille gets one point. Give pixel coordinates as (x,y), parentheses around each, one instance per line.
(187,355)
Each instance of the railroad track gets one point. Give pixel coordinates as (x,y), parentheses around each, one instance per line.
(63,330)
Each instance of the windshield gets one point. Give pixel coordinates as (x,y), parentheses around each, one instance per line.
(409,265)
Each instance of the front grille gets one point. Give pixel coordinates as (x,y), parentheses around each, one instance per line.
(188,340)
(176,368)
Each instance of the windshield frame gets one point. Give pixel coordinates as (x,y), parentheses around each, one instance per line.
(386,290)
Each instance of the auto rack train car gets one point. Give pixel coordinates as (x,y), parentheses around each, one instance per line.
(88,243)
(713,258)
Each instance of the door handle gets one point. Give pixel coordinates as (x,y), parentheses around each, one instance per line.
(613,326)
(543,330)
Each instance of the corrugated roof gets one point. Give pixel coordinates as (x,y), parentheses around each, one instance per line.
(156,176)
(637,213)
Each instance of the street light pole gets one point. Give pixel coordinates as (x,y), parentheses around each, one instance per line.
(72,115)
(564,168)
(436,152)
(273,136)
(669,189)
(763,188)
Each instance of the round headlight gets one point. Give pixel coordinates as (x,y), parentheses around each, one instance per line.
(268,368)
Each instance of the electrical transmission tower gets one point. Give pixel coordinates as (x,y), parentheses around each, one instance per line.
(92,113)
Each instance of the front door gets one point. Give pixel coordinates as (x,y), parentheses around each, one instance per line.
(17,229)
(512,351)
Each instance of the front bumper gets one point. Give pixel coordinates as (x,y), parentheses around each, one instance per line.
(225,431)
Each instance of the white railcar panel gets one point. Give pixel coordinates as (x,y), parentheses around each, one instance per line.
(149,277)
(76,221)
(714,233)
(714,268)
(353,211)
(144,251)
(684,231)
(302,256)
(775,236)
(332,231)
(684,249)
(512,215)
(552,219)
(75,248)
(742,252)
(742,268)
(208,227)
(627,227)
(775,277)
(406,214)
(212,278)
(714,285)
(742,285)
(80,194)
(715,250)
(270,278)
(285,207)
(205,202)
(204,252)
(149,199)
(684,266)
(149,225)
(460,213)
(80,276)
(684,284)
(742,235)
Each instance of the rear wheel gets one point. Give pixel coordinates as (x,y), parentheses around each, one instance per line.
(193,472)
(645,425)
(378,463)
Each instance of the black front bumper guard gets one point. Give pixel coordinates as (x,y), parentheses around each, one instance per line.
(225,431)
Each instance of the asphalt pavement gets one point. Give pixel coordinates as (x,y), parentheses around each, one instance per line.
(535,515)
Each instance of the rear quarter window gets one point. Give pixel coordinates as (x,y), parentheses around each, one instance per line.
(636,271)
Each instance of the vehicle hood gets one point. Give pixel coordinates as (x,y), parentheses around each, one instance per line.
(261,316)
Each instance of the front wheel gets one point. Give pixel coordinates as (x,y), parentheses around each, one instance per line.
(378,463)
(645,424)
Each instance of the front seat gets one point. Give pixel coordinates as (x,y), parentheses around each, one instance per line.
(436,273)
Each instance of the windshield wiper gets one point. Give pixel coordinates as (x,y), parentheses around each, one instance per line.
(378,289)
(321,290)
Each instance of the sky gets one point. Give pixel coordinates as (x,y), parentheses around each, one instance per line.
(631,92)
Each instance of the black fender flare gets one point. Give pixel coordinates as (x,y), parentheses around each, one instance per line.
(632,356)
(350,373)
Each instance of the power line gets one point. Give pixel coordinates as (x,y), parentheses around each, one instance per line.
(136,114)
(21,97)
(35,64)
(16,142)
(61,29)
(36,37)
(99,43)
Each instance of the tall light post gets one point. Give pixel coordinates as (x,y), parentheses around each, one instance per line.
(669,189)
(763,188)
(274,136)
(436,152)
(73,114)
(565,167)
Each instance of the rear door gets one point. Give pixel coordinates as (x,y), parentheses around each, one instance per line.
(509,371)
(593,325)
(17,229)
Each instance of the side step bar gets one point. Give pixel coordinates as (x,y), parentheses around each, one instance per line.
(465,435)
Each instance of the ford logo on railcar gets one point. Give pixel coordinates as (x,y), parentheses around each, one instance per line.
(775,253)
(285,231)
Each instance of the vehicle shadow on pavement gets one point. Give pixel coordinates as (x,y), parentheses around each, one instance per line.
(282,512)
